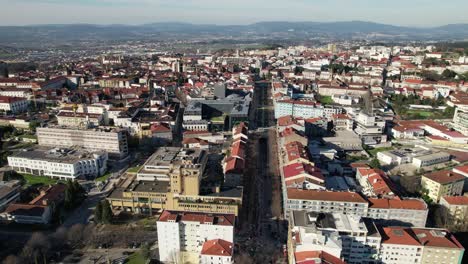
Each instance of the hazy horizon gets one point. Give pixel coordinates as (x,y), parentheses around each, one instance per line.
(415,13)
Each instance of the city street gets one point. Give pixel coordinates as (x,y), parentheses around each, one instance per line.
(262,226)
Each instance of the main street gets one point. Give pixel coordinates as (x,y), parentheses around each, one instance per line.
(261,217)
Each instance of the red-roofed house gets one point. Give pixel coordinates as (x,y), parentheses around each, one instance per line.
(374,182)
(316,257)
(295,152)
(217,251)
(303,175)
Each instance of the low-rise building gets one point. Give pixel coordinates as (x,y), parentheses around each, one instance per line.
(13,105)
(9,193)
(39,210)
(217,251)
(418,156)
(59,163)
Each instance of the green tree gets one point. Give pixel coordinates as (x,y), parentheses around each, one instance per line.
(33,125)
(448,74)
(375,164)
(106,212)
(68,199)
(98,213)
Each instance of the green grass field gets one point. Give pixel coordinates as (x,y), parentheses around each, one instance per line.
(325,100)
(421,113)
(103,177)
(32,180)
(373,152)
(134,169)
(136,258)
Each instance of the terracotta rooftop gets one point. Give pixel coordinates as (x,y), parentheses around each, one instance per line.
(313,257)
(202,218)
(456,200)
(410,204)
(217,247)
(444,176)
(297,194)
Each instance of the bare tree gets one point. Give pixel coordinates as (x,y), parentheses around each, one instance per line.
(38,247)
(75,235)
(243,258)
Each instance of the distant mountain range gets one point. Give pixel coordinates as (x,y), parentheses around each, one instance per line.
(305,30)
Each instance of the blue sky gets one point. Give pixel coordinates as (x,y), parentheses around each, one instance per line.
(397,12)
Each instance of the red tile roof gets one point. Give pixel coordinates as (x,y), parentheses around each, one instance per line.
(217,247)
(297,194)
(436,238)
(409,204)
(456,200)
(399,236)
(312,257)
(9,100)
(445,176)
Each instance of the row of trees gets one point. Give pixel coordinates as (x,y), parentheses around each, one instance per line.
(41,247)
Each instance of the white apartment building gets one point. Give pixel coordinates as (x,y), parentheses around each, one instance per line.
(13,104)
(399,246)
(402,245)
(419,157)
(399,211)
(298,108)
(430,159)
(347,237)
(326,202)
(182,234)
(15,92)
(113,141)
(460,121)
(409,211)
(59,163)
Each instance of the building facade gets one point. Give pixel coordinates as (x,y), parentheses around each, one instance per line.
(182,233)
(114,142)
(59,163)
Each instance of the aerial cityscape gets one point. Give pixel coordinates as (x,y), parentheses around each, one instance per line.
(217,133)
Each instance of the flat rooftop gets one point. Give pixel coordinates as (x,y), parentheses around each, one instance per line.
(61,155)
(149,186)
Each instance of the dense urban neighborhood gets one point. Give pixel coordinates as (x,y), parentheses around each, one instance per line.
(339,152)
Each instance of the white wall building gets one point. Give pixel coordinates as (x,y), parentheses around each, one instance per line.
(182,233)
(112,141)
(59,163)
(13,104)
